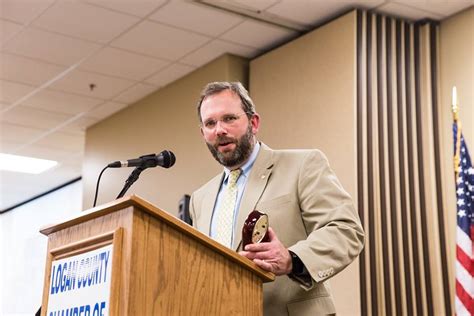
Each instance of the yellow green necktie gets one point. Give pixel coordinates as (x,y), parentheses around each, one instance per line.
(225,216)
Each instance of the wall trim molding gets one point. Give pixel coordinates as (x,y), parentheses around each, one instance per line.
(11,208)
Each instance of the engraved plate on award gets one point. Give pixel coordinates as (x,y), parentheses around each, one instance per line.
(255,228)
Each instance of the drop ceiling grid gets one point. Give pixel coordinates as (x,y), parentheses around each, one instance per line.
(62,102)
(44,16)
(84,21)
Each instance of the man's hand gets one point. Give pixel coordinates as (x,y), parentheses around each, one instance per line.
(271,256)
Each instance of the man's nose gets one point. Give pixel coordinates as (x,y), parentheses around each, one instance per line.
(221,129)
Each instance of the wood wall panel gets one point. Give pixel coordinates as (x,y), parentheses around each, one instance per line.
(404,270)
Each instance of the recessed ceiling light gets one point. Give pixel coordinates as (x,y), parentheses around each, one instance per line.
(25,164)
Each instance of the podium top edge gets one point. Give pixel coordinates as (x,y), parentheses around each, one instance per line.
(147,207)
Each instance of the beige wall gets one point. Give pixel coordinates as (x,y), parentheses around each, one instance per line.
(305,93)
(164,120)
(456,69)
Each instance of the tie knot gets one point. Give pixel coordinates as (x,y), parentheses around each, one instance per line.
(233,176)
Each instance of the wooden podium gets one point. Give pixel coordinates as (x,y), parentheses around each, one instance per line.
(159,264)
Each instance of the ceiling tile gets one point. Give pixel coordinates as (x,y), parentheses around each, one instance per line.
(23,11)
(410,13)
(42,152)
(258,34)
(55,48)
(253,5)
(79,82)
(8,30)
(310,12)
(12,91)
(19,69)
(19,134)
(106,110)
(68,17)
(27,116)
(191,16)
(135,93)
(138,8)
(215,49)
(55,101)
(7,147)
(63,140)
(440,7)
(170,74)
(120,63)
(160,41)
(80,125)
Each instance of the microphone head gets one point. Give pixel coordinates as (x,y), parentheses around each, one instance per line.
(168,158)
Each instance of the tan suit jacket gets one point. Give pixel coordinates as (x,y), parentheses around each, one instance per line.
(311,214)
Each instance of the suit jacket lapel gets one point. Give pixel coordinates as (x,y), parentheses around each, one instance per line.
(210,200)
(254,188)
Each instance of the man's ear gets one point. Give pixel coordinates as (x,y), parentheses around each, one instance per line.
(202,132)
(255,121)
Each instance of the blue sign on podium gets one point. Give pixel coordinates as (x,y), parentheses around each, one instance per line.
(80,284)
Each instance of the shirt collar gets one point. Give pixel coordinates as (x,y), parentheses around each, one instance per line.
(248,165)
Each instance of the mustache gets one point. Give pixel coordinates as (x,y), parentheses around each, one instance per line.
(224,140)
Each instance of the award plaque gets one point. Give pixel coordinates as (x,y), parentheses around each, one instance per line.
(255,229)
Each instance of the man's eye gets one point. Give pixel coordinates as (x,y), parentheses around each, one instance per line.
(210,123)
(229,119)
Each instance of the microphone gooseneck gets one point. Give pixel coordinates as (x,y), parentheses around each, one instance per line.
(165,159)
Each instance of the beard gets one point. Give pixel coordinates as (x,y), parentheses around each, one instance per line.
(243,149)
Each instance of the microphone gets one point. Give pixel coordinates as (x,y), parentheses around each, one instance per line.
(164,159)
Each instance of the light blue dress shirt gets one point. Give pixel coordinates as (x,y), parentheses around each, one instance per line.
(241,182)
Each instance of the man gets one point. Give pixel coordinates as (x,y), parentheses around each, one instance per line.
(314,231)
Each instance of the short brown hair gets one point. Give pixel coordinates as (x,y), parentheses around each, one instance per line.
(236,87)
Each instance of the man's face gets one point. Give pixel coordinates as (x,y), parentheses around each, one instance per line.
(229,134)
